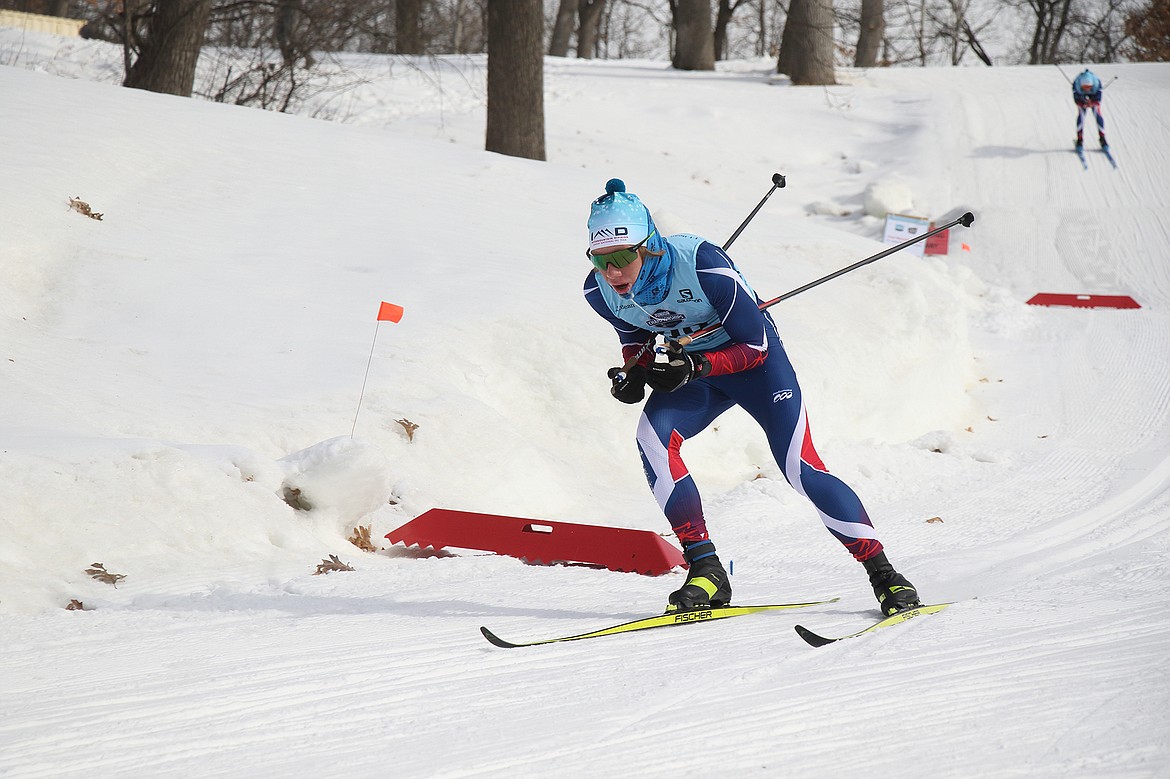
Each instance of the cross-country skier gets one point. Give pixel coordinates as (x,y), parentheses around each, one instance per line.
(644,284)
(1087,91)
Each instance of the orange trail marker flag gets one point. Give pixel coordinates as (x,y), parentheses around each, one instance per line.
(387,312)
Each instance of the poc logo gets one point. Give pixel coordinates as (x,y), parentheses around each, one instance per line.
(781,395)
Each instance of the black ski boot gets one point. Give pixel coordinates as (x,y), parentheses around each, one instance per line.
(1101,139)
(893,590)
(707,585)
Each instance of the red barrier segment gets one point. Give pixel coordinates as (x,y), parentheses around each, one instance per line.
(540,541)
(1083,301)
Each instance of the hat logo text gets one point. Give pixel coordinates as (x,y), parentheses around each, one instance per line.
(609,232)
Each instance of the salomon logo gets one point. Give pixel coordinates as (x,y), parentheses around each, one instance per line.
(781,395)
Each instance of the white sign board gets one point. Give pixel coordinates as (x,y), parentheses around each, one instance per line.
(901,228)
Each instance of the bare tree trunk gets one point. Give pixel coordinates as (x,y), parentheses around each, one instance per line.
(762,43)
(789,49)
(408,39)
(921,36)
(873,28)
(562,32)
(974,43)
(695,48)
(722,19)
(131,10)
(1052,18)
(169,50)
(1039,35)
(515,78)
(588,19)
(806,50)
(457,28)
(955,22)
(288,28)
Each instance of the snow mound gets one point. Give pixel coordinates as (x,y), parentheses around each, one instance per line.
(888,197)
(342,477)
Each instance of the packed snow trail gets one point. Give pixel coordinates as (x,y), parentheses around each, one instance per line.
(231,658)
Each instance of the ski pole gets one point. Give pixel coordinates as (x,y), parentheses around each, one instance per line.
(778,182)
(965,220)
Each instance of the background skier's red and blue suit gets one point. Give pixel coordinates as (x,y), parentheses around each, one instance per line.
(692,285)
(1087,90)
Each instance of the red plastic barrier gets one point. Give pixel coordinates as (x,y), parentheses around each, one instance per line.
(1083,301)
(540,541)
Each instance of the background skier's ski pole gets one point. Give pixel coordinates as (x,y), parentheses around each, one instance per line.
(778,182)
(965,220)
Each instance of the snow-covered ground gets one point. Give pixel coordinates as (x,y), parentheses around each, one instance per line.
(171,372)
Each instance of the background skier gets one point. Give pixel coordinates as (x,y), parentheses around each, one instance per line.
(1087,91)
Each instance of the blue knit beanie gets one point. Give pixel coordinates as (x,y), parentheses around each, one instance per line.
(618,217)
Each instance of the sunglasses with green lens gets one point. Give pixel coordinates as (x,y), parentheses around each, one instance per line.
(618,259)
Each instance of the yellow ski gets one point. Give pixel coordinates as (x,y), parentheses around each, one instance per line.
(896,619)
(660,621)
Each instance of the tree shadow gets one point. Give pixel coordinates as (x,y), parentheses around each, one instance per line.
(308,605)
(1013,152)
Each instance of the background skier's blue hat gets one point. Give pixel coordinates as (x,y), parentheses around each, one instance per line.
(618,217)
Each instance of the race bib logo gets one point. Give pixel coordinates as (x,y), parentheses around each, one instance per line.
(664,320)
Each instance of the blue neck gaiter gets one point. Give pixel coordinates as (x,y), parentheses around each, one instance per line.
(657,273)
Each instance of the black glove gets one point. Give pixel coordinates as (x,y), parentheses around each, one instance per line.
(680,368)
(630,389)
